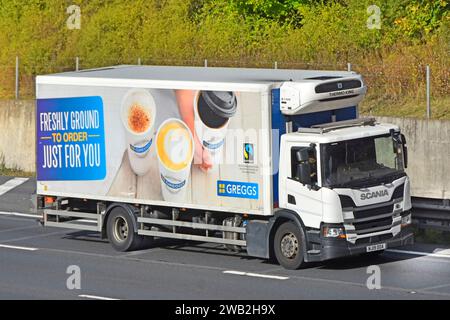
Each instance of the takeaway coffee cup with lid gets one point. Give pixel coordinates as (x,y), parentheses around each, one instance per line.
(213,111)
(175,151)
(138,113)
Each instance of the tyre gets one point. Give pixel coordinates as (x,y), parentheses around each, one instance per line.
(289,246)
(120,231)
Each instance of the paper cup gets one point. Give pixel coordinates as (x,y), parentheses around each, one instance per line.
(212,112)
(138,113)
(175,152)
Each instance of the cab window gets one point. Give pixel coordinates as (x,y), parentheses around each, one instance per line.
(312,160)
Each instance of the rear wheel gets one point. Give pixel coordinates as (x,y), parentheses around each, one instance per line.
(120,231)
(289,246)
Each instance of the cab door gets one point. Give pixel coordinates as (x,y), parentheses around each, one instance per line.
(303,191)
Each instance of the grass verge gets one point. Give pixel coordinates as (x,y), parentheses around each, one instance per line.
(15,172)
(411,108)
(431,236)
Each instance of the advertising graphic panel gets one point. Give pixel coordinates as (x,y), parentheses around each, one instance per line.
(196,147)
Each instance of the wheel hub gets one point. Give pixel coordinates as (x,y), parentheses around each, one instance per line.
(120,229)
(289,246)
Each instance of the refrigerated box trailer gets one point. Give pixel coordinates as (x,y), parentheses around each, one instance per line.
(274,162)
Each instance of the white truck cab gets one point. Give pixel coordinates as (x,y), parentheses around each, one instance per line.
(344,180)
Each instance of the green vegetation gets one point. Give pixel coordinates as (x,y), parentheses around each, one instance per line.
(431,236)
(15,172)
(322,34)
(408,107)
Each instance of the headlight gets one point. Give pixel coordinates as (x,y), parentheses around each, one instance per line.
(406,220)
(333,232)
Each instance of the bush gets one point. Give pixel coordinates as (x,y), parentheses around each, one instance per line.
(297,33)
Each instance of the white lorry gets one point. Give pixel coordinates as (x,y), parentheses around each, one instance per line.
(275,162)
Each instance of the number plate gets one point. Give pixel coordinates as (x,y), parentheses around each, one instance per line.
(376,247)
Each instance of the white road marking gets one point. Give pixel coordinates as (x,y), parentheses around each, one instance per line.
(11,184)
(418,253)
(17,247)
(19,229)
(26,215)
(443,251)
(35,236)
(36,216)
(17,214)
(256,275)
(87,296)
(435,287)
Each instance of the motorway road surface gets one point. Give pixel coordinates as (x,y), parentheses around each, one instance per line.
(34,262)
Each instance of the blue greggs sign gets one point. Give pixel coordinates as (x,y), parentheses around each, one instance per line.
(237,189)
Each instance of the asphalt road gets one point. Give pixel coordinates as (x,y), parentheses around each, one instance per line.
(34,262)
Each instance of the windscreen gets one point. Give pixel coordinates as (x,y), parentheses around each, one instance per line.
(360,162)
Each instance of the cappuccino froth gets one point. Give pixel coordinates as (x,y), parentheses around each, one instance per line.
(174,145)
(139,118)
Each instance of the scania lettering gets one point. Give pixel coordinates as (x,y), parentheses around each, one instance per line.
(276,163)
(376,194)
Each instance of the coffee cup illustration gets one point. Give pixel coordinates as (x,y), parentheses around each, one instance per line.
(213,111)
(138,113)
(175,151)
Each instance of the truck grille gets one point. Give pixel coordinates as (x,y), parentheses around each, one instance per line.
(373,225)
(360,214)
(373,218)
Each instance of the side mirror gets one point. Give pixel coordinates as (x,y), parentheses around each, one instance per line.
(302,155)
(304,173)
(405,150)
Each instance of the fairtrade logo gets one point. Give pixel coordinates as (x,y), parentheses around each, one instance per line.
(249,154)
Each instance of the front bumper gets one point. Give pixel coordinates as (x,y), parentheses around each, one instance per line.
(338,248)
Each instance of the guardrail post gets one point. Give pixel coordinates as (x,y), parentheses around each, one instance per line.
(17,78)
(428,93)
(206,63)
(349,67)
(276,65)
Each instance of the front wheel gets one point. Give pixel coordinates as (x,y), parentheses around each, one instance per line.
(120,231)
(289,245)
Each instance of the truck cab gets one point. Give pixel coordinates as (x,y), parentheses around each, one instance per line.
(344,181)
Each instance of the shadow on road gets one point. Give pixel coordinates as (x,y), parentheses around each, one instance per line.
(360,261)
(91,236)
(353,262)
